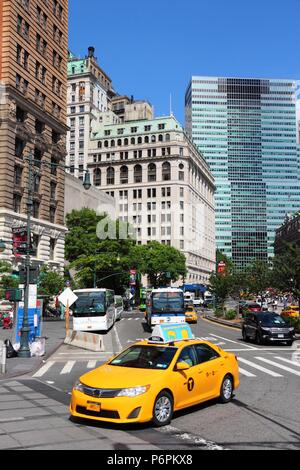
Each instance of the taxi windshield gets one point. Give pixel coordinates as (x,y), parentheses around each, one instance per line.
(145,357)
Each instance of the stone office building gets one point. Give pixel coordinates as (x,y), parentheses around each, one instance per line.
(33,63)
(162,185)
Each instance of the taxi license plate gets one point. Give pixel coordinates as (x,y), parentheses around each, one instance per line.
(91,406)
(280,336)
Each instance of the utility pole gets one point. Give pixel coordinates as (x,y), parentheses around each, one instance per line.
(24,350)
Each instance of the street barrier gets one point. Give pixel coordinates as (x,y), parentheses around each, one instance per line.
(3,357)
(89,341)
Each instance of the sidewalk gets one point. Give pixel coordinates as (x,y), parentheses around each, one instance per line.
(53,331)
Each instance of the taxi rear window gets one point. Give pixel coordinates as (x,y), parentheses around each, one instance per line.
(145,357)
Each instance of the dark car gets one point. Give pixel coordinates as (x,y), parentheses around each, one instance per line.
(263,327)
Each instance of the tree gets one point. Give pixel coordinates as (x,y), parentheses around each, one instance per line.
(259,277)
(51,283)
(220,286)
(7,281)
(104,261)
(162,263)
(286,271)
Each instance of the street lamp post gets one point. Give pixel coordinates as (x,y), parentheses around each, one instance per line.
(24,350)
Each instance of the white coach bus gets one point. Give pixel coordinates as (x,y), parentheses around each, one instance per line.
(94,310)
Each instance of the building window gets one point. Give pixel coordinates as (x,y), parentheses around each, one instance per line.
(19,147)
(52,249)
(124,175)
(97,177)
(36,209)
(152,172)
(17,203)
(138,174)
(166,171)
(52,214)
(110,176)
(18,176)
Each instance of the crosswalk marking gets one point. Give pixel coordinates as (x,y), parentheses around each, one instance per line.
(280,366)
(44,369)
(246,373)
(231,341)
(288,361)
(68,367)
(256,366)
(91,364)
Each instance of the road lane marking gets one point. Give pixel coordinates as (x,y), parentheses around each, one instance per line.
(231,341)
(256,366)
(68,367)
(280,366)
(294,363)
(44,369)
(119,344)
(246,373)
(91,364)
(184,436)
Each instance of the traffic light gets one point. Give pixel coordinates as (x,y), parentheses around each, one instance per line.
(13,295)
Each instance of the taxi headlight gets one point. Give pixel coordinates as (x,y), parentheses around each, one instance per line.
(79,387)
(133,392)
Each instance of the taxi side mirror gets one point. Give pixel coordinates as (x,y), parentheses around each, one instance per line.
(182,366)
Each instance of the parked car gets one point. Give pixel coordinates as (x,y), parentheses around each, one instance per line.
(263,327)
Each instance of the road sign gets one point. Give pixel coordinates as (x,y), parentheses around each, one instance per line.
(67,297)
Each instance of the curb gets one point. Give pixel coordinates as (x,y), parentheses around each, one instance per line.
(34,368)
(222,322)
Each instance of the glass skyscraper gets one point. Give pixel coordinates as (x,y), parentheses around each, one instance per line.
(246,130)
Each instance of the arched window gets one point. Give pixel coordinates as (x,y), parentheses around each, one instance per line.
(160,138)
(181,172)
(110,176)
(146,140)
(138,174)
(153,139)
(124,175)
(166,171)
(132,141)
(99,144)
(152,172)
(97,177)
(168,137)
(106,143)
(125,141)
(112,143)
(119,142)
(140,140)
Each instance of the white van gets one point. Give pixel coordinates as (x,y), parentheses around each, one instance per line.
(119,306)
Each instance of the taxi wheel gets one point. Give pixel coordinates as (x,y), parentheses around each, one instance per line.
(226,389)
(163,409)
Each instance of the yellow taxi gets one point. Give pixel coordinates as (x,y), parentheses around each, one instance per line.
(191,314)
(291,311)
(153,378)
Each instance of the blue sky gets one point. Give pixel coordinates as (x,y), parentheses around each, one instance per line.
(151,48)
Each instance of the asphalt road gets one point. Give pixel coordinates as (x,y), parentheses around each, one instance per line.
(264,414)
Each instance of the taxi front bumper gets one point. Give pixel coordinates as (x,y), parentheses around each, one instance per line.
(191,318)
(114,410)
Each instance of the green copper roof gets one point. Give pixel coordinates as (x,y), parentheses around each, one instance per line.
(77,67)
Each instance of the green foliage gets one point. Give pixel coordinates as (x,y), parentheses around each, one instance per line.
(156,260)
(286,271)
(230,315)
(220,286)
(259,277)
(108,261)
(51,283)
(219,313)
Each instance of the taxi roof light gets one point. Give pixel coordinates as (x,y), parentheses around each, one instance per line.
(165,334)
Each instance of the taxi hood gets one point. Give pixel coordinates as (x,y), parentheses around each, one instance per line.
(108,376)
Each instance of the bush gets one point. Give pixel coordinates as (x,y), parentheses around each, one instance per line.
(219,312)
(230,315)
(295,322)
